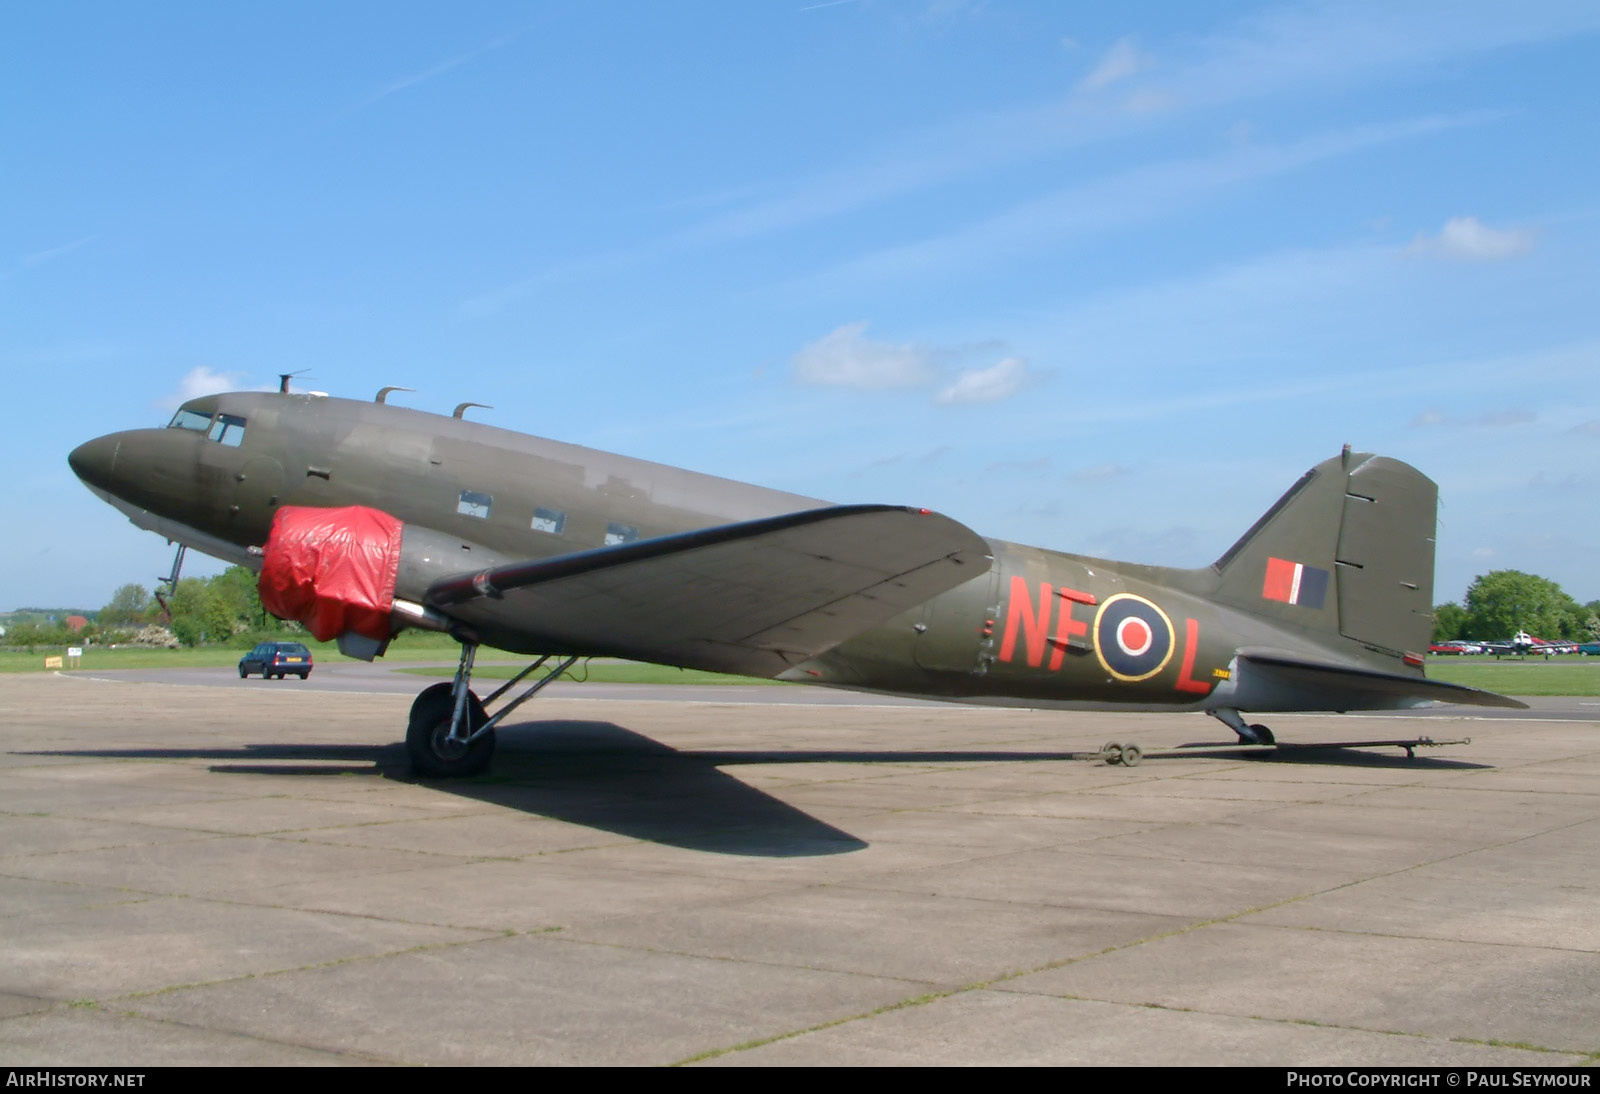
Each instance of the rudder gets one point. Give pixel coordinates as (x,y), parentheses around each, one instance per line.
(1348,549)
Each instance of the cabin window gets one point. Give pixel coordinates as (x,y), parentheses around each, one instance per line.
(474,504)
(620,533)
(190,419)
(549,520)
(228,429)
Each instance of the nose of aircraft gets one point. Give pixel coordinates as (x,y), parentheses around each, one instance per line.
(95,461)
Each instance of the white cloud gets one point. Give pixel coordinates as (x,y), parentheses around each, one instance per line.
(441,68)
(1039,464)
(1178,545)
(205,381)
(1123,60)
(1468,239)
(1497,419)
(987,385)
(1102,204)
(1100,472)
(55,252)
(1493,419)
(848,358)
(1282,51)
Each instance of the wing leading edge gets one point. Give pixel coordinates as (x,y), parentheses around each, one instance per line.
(755,597)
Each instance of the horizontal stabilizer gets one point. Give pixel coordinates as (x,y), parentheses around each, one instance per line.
(1362,689)
(753,598)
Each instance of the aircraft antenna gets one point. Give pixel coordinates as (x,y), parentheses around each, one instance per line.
(384,393)
(462,408)
(285,377)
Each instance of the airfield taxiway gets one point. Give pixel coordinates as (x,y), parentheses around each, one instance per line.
(244,873)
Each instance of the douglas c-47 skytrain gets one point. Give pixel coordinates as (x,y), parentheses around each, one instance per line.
(365,518)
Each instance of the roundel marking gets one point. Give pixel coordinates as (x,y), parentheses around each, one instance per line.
(1132,637)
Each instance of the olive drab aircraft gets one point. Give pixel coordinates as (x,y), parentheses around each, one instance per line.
(365,518)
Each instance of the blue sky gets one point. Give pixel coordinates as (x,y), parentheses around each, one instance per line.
(1103,278)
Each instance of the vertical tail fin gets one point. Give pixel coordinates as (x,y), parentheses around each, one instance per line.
(1348,550)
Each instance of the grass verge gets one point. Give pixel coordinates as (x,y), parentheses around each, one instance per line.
(1566,675)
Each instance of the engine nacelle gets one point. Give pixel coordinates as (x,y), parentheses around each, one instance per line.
(333,570)
(358,574)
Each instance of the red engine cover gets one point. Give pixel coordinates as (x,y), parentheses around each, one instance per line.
(332,569)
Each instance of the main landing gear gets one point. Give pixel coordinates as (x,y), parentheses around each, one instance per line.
(450,734)
(1248,734)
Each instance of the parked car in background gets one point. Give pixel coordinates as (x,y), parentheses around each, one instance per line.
(1590,649)
(1455,646)
(278,659)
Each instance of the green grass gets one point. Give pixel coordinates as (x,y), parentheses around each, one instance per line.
(412,646)
(439,648)
(97,658)
(1559,676)
(1566,675)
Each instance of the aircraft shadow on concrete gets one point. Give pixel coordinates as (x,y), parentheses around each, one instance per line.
(600,775)
(595,774)
(1329,755)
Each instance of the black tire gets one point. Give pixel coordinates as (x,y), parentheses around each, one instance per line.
(242,673)
(1263,737)
(431,756)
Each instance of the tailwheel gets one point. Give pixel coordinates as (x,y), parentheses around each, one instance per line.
(1256,734)
(1263,736)
(434,753)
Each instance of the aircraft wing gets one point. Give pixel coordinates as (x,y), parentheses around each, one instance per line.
(755,597)
(1365,688)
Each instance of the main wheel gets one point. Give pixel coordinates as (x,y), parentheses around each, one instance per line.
(433,754)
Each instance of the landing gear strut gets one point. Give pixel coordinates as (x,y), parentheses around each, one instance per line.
(450,734)
(171,582)
(1248,734)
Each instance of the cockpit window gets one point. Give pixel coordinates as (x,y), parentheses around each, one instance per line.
(190,419)
(229,429)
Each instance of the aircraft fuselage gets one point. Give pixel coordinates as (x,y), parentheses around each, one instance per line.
(1037,628)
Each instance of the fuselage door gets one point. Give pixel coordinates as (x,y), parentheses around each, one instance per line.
(958,626)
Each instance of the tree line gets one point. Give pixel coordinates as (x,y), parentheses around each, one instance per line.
(1503,602)
(221,610)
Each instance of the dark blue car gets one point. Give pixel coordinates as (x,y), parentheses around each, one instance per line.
(278,659)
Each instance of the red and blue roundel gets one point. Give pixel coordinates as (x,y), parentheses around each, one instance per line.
(1132,637)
